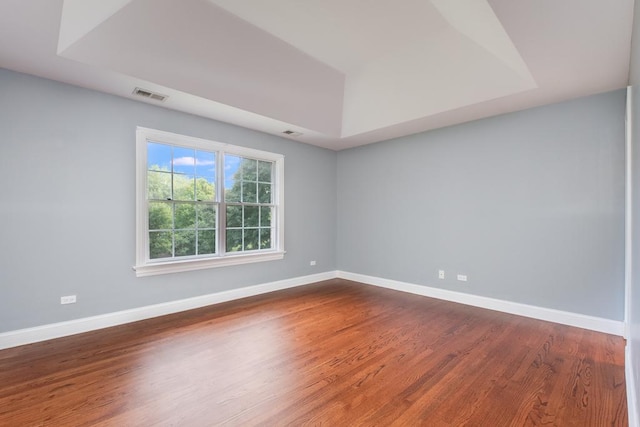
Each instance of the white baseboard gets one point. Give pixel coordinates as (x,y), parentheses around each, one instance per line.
(540,313)
(632,399)
(72,327)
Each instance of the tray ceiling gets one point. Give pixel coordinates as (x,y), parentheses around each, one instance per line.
(337,73)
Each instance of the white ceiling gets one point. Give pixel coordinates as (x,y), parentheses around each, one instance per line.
(341,72)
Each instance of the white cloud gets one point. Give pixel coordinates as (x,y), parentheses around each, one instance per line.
(189,161)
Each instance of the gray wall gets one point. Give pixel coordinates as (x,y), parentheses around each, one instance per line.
(529,205)
(67,210)
(633,340)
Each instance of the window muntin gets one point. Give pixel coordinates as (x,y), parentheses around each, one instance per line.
(203,203)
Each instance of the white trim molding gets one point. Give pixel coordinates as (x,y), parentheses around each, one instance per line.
(628,216)
(548,314)
(200,264)
(632,399)
(72,327)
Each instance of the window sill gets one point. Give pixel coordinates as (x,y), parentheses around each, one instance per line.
(152,269)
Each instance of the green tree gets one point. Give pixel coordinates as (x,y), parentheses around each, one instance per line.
(182,216)
(248,227)
(179,225)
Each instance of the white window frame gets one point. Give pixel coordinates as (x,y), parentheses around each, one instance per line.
(147,267)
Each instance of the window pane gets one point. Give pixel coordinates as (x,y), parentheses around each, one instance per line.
(232,195)
(160,216)
(185,216)
(205,190)
(234,240)
(264,193)
(232,179)
(206,164)
(206,216)
(265,216)
(234,216)
(158,185)
(183,187)
(249,192)
(184,160)
(264,171)
(158,157)
(251,216)
(160,244)
(185,243)
(249,170)
(251,239)
(265,238)
(206,242)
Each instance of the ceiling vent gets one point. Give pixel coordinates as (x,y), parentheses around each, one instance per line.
(292,133)
(148,94)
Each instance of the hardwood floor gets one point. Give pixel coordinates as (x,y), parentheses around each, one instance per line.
(335,353)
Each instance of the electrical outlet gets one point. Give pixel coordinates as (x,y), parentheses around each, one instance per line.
(462,277)
(440,274)
(312,263)
(69,299)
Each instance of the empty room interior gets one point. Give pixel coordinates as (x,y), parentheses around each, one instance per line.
(341,213)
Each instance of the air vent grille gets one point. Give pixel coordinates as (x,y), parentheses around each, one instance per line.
(292,133)
(148,94)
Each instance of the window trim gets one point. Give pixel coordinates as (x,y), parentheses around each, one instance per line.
(144,265)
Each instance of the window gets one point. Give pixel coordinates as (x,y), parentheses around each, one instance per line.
(203,204)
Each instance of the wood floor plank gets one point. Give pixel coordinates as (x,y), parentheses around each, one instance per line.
(335,353)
